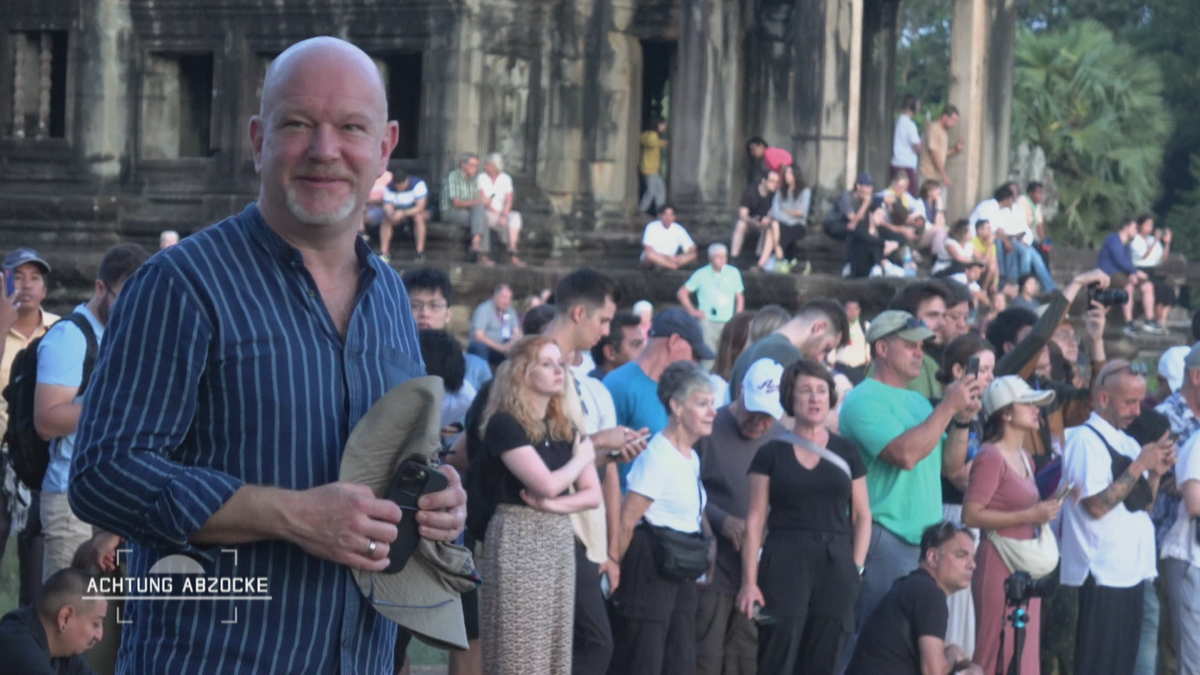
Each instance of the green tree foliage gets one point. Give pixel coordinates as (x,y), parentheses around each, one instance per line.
(1184,217)
(1096,108)
(923,53)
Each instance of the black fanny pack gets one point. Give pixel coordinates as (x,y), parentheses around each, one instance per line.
(1141,496)
(680,556)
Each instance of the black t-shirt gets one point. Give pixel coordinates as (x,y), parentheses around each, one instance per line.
(505,433)
(803,499)
(888,643)
(757,204)
(24,648)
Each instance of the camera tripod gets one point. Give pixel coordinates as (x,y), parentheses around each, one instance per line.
(1019,619)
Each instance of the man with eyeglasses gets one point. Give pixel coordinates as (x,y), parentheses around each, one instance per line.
(1108,547)
(430,294)
(907,445)
(66,356)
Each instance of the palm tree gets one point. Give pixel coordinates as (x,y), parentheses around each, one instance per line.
(1096,108)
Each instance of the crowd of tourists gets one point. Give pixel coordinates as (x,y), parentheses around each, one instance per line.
(698,489)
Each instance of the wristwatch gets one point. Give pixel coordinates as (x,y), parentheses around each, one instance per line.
(959,425)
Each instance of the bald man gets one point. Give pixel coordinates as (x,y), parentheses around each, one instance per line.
(1108,548)
(236,364)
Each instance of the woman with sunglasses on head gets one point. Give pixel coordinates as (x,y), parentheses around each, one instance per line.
(1002,499)
(527,602)
(810,492)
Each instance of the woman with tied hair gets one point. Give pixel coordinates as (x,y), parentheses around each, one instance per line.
(1003,498)
(653,616)
(817,512)
(534,459)
(960,627)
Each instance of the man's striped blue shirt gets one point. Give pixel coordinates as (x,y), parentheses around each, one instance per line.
(221,367)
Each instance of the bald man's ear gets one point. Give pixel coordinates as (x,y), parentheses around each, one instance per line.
(257,133)
(391,136)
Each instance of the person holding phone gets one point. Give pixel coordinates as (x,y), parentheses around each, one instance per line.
(541,470)
(1002,499)
(966,355)
(809,490)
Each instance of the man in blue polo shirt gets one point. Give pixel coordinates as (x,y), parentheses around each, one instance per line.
(63,372)
(1115,260)
(674,336)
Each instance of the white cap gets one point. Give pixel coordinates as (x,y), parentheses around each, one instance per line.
(1010,389)
(1171,366)
(760,388)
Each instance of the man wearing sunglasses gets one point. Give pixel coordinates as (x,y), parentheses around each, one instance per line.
(1108,547)
(907,444)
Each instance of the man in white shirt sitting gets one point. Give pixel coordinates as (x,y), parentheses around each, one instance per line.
(497,189)
(1015,255)
(666,244)
(1108,547)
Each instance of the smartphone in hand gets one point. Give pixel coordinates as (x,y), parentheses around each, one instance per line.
(973,366)
(412,480)
(10,284)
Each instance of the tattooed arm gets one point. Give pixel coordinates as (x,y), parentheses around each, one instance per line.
(1099,504)
(1156,458)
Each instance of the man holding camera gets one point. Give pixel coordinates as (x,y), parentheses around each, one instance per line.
(906,632)
(1108,547)
(1116,260)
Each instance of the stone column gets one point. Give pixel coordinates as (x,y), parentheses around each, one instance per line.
(982,43)
(706,106)
(880,31)
(611,119)
(102,117)
(826,136)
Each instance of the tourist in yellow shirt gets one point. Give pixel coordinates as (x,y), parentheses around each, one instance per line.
(985,249)
(653,143)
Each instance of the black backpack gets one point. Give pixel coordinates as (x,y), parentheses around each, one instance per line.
(28,452)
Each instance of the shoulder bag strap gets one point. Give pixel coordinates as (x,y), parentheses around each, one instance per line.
(824,453)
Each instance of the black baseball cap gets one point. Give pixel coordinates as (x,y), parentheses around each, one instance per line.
(675,321)
(26,255)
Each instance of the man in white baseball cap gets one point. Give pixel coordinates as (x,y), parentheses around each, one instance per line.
(725,635)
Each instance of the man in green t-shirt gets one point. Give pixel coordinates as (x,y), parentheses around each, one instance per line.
(907,445)
(719,294)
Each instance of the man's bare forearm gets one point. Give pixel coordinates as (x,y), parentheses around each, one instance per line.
(1098,505)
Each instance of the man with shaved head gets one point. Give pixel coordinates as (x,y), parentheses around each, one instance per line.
(49,637)
(1108,548)
(216,419)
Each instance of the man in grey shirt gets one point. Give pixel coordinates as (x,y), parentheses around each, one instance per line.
(723,634)
(495,326)
(817,329)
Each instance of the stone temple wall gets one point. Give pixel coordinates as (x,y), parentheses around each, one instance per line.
(120,118)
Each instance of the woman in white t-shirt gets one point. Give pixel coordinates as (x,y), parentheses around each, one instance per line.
(1149,249)
(497,187)
(664,491)
(955,252)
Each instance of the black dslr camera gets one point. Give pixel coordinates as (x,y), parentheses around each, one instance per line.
(1108,296)
(1020,587)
